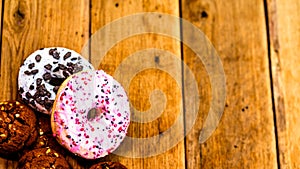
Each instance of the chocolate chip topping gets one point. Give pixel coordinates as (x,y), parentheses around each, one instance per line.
(31,65)
(65,74)
(78,68)
(35,71)
(51,51)
(54,53)
(55,89)
(62,67)
(38,81)
(56,69)
(47,76)
(55,81)
(70,70)
(21,90)
(28,95)
(38,58)
(48,66)
(73,59)
(41,92)
(31,87)
(67,55)
(40,101)
(27,72)
(70,64)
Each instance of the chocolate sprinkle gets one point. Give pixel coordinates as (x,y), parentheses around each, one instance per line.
(40,101)
(56,55)
(27,72)
(56,69)
(55,89)
(28,95)
(31,65)
(62,67)
(67,55)
(31,87)
(70,70)
(51,51)
(38,81)
(21,90)
(47,76)
(48,66)
(70,64)
(35,71)
(38,58)
(54,81)
(65,74)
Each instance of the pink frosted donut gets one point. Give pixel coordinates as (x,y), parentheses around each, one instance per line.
(42,73)
(91,114)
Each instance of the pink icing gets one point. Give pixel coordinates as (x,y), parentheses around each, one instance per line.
(106,128)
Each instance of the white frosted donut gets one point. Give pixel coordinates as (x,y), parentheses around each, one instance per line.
(43,72)
(91,114)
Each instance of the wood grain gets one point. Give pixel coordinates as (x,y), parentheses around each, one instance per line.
(30,25)
(284,33)
(103,12)
(245,137)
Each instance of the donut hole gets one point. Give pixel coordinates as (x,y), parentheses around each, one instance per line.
(93,113)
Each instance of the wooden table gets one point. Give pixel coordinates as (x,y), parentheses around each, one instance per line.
(257,42)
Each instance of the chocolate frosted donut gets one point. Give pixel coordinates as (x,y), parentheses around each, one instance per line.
(91,114)
(43,72)
(17,127)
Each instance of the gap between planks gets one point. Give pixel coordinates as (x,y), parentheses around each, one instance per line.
(268,20)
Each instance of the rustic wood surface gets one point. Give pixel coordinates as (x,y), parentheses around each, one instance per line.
(284,36)
(257,41)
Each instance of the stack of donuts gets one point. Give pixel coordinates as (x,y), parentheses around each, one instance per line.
(65,103)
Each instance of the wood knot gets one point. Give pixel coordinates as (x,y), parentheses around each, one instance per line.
(204,14)
(19,15)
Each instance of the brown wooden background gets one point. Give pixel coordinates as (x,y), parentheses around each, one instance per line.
(258,42)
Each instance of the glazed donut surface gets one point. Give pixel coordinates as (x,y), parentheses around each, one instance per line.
(91,114)
(42,73)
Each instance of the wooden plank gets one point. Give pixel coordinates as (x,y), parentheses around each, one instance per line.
(103,12)
(30,25)
(245,137)
(284,42)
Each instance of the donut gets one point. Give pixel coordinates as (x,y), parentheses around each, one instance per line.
(17,127)
(91,114)
(42,158)
(42,73)
(108,165)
